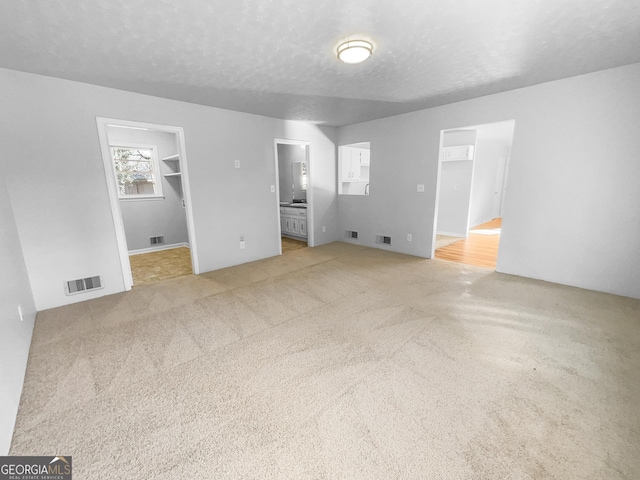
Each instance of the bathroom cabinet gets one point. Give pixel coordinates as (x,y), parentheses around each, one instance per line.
(293,222)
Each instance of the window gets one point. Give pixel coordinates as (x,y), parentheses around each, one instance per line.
(355,163)
(137,171)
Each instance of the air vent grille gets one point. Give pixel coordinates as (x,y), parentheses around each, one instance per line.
(156,240)
(73,287)
(383,240)
(351,234)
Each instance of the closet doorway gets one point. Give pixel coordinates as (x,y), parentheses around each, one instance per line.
(293,182)
(147,177)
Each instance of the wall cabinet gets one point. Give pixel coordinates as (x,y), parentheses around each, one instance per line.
(293,222)
(365,157)
(353,160)
(350,165)
(461,152)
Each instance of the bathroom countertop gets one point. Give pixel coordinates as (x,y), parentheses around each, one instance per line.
(293,205)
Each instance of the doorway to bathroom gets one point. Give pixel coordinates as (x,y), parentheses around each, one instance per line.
(294,194)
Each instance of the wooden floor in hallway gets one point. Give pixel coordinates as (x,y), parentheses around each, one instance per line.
(289,244)
(480,249)
(154,267)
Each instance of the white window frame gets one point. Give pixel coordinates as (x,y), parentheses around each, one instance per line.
(157,173)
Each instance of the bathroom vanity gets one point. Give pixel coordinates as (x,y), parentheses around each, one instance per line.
(293,220)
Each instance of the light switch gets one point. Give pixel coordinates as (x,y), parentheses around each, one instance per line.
(273,188)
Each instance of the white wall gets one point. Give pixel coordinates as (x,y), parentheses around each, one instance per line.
(455,187)
(485,168)
(16,334)
(60,196)
(571,212)
(145,218)
(493,147)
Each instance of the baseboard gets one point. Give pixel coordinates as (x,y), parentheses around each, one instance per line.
(451,234)
(159,248)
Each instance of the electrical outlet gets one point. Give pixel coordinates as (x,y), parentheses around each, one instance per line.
(242,237)
(409,237)
(20,313)
(324,229)
(421,187)
(273,189)
(237,163)
(242,245)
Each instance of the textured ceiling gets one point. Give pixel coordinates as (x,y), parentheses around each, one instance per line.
(277,57)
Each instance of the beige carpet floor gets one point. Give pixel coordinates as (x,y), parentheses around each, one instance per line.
(339,362)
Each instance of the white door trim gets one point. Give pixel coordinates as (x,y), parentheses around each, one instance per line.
(102,124)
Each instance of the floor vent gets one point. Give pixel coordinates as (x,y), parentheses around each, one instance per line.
(382,240)
(156,240)
(73,287)
(351,234)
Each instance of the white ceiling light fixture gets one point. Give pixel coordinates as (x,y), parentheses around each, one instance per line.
(355,51)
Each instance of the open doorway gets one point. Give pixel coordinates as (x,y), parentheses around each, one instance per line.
(146,173)
(294,194)
(472,180)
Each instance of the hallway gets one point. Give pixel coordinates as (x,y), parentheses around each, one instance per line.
(480,249)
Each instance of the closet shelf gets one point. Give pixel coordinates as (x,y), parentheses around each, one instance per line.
(174,166)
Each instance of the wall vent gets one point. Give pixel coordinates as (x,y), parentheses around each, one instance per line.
(73,287)
(382,240)
(156,240)
(351,234)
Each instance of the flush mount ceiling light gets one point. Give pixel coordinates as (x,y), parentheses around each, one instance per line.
(355,51)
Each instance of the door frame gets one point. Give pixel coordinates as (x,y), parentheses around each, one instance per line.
(310,229)
(118,224)
(439,175)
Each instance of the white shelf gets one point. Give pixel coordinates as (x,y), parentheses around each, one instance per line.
(176,166)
